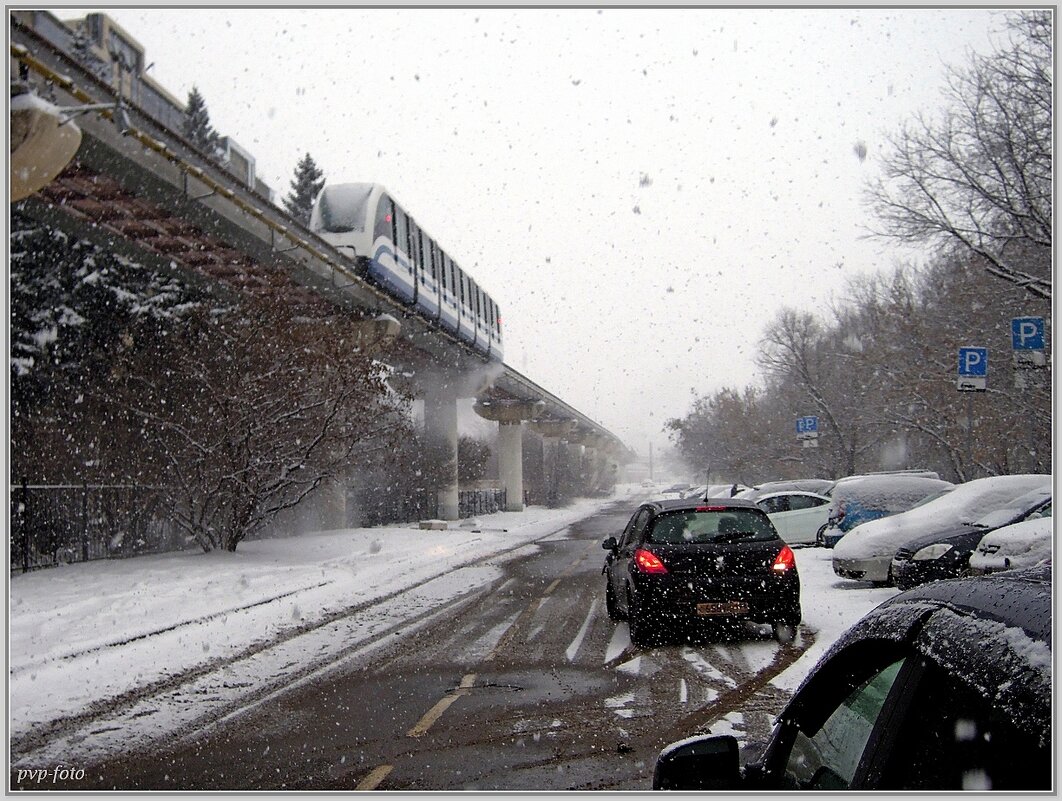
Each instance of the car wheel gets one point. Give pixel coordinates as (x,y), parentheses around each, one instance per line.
(820,537)
(638,624)
(785,633)
(611,607)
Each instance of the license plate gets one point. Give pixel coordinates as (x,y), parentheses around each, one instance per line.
(723,608)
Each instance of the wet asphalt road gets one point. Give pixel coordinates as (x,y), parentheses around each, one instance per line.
(525,686)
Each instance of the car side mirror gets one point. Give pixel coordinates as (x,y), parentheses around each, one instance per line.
(699,763)
(609,544)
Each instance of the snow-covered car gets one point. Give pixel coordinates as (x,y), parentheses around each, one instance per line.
(944,687)
(819,485)
(866,552)
(1023,544)
(946,554)
(798,516)
(859,499)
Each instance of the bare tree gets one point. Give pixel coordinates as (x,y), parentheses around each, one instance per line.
(250,415)
(798,349)
(981,174)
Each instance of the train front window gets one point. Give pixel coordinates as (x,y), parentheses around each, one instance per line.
(385,211)
(343,209)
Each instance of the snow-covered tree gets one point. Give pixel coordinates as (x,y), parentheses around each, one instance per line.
(75,305)
(197,127)
(305,186)
(123,374)
(252,412)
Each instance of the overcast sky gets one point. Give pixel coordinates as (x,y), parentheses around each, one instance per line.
(639,189)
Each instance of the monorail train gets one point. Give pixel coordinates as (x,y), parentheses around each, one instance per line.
(365,222)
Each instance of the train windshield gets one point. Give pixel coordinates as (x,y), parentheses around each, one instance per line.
(343,208)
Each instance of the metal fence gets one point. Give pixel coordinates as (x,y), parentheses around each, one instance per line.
(60,523)
(57,524)
(376,508)
(480,502)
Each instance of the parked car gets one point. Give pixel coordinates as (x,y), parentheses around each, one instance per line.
(946,554)
(819,485)
(944,687)
(866,553)
(859,499)
(798,516)
(675,490)
(1020,545)
(682,562)
(714,491)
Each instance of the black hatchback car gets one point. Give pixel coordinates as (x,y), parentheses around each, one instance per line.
(684,561)
(944,687)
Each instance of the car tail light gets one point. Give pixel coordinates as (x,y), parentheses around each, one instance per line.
(785,561)
(711,509)
(648,562)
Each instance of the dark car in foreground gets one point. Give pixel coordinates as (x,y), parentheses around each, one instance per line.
(944,687)
(683,562)
(946,554)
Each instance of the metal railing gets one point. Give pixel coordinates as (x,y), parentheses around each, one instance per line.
(53,524)
(480,502)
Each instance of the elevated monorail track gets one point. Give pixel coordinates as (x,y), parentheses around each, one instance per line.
(142,190)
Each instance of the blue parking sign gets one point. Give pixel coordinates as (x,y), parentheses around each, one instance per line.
(973,362)
(1027,333)
(809,424)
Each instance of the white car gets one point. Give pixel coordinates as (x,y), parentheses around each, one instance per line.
(798,516)
(865,553)
(1024,544)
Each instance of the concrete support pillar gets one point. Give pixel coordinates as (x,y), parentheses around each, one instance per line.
(551,474)
(511,464)
(440,428)
(510,416)
(573,460)
(552,432)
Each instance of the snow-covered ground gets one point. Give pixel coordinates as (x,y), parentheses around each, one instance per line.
(80,634)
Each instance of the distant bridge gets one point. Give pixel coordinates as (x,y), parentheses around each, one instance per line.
(137,187)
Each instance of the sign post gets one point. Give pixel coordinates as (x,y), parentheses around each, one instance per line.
(973,369)
(973,377)
(807,429)
(1027,340)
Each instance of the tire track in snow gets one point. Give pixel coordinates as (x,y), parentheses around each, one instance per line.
(40,734)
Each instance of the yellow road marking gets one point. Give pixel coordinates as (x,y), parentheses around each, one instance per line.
(444,703)
(375,777)
(552,587)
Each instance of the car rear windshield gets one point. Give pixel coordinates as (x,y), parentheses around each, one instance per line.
(708,524)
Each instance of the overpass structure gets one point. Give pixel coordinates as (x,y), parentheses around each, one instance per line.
(136,186)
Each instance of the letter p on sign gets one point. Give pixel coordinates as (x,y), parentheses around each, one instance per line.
(1027,333)
(973,361)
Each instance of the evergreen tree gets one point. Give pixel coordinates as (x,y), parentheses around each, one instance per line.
(305,186)
(197,127)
